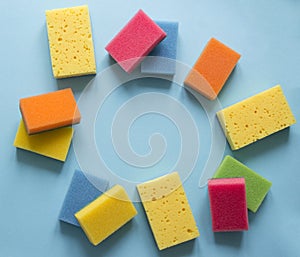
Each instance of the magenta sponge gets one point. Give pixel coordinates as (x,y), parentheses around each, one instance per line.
(228,204)
(136,40)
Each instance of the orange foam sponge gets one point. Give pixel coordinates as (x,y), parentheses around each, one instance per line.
(212,69)
(49,111)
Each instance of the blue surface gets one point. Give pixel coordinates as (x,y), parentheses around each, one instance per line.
(32,188)
(166,48)
(80,193)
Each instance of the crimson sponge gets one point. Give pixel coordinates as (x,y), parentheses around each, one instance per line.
(257,186)
(140,35)
(81,192)
(228,205)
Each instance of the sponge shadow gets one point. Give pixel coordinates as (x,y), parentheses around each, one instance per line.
(184,249)
(265,145)
(104,247)
(39,161)
(233,239)
(77,84)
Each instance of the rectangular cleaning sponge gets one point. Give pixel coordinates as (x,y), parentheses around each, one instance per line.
(168,210)
(257,186)
(163,56)
(136,40)
(106,214)
(70,42)
(54,144)
(256,117)
(49,111)
(228,205)
(81,192)
(212,69)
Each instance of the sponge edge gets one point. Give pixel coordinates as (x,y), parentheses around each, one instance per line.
(49,111)
(106,214)
(257,186)
(136,40)
(54,144)
(80,193)
(212,69)
(228,204)
(167,49)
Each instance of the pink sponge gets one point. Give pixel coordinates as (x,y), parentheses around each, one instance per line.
(228,204)
(135,41)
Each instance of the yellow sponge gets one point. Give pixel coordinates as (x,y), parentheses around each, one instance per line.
(106,214)
(70,42)
(256,117)
(168,211)
(54,143)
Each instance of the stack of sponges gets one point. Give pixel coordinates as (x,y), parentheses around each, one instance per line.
(138,38)
(99,215)
(45,125)
(233,189)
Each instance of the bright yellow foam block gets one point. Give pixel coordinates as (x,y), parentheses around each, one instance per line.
(168,211)
(256,117)
(54,143)
(106,214)
(70,42)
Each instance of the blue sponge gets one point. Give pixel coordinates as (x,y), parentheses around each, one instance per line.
(166,48)
(80,193)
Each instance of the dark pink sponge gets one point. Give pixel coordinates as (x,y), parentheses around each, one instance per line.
(136,40)
(228,204)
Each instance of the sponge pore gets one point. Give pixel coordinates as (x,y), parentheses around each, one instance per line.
(135,41)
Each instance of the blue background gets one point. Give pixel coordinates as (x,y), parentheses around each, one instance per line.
(32,187)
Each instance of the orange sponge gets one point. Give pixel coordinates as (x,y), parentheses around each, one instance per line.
(49,111)
(212,69)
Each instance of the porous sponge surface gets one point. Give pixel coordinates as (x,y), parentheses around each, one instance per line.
(168,211)
(212,69)
(70,42)
(49,111)
(106,214)
(81,192)
(54,144)
(228,204)
(256,117)
(139,36)
(257,186)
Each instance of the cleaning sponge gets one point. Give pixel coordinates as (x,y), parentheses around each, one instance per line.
(256,117)
(228,204)
(168,211)
(70,42)
(212,69)
(135,41)
(257,186)
(54,144)
(166,49)
(106,214)
(80,193)
(49,111)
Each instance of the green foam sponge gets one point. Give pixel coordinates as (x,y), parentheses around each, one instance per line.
(257,186)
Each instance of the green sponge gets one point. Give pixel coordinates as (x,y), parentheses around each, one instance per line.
(257,186)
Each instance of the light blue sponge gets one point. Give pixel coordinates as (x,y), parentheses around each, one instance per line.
(80,193)
(166,48)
